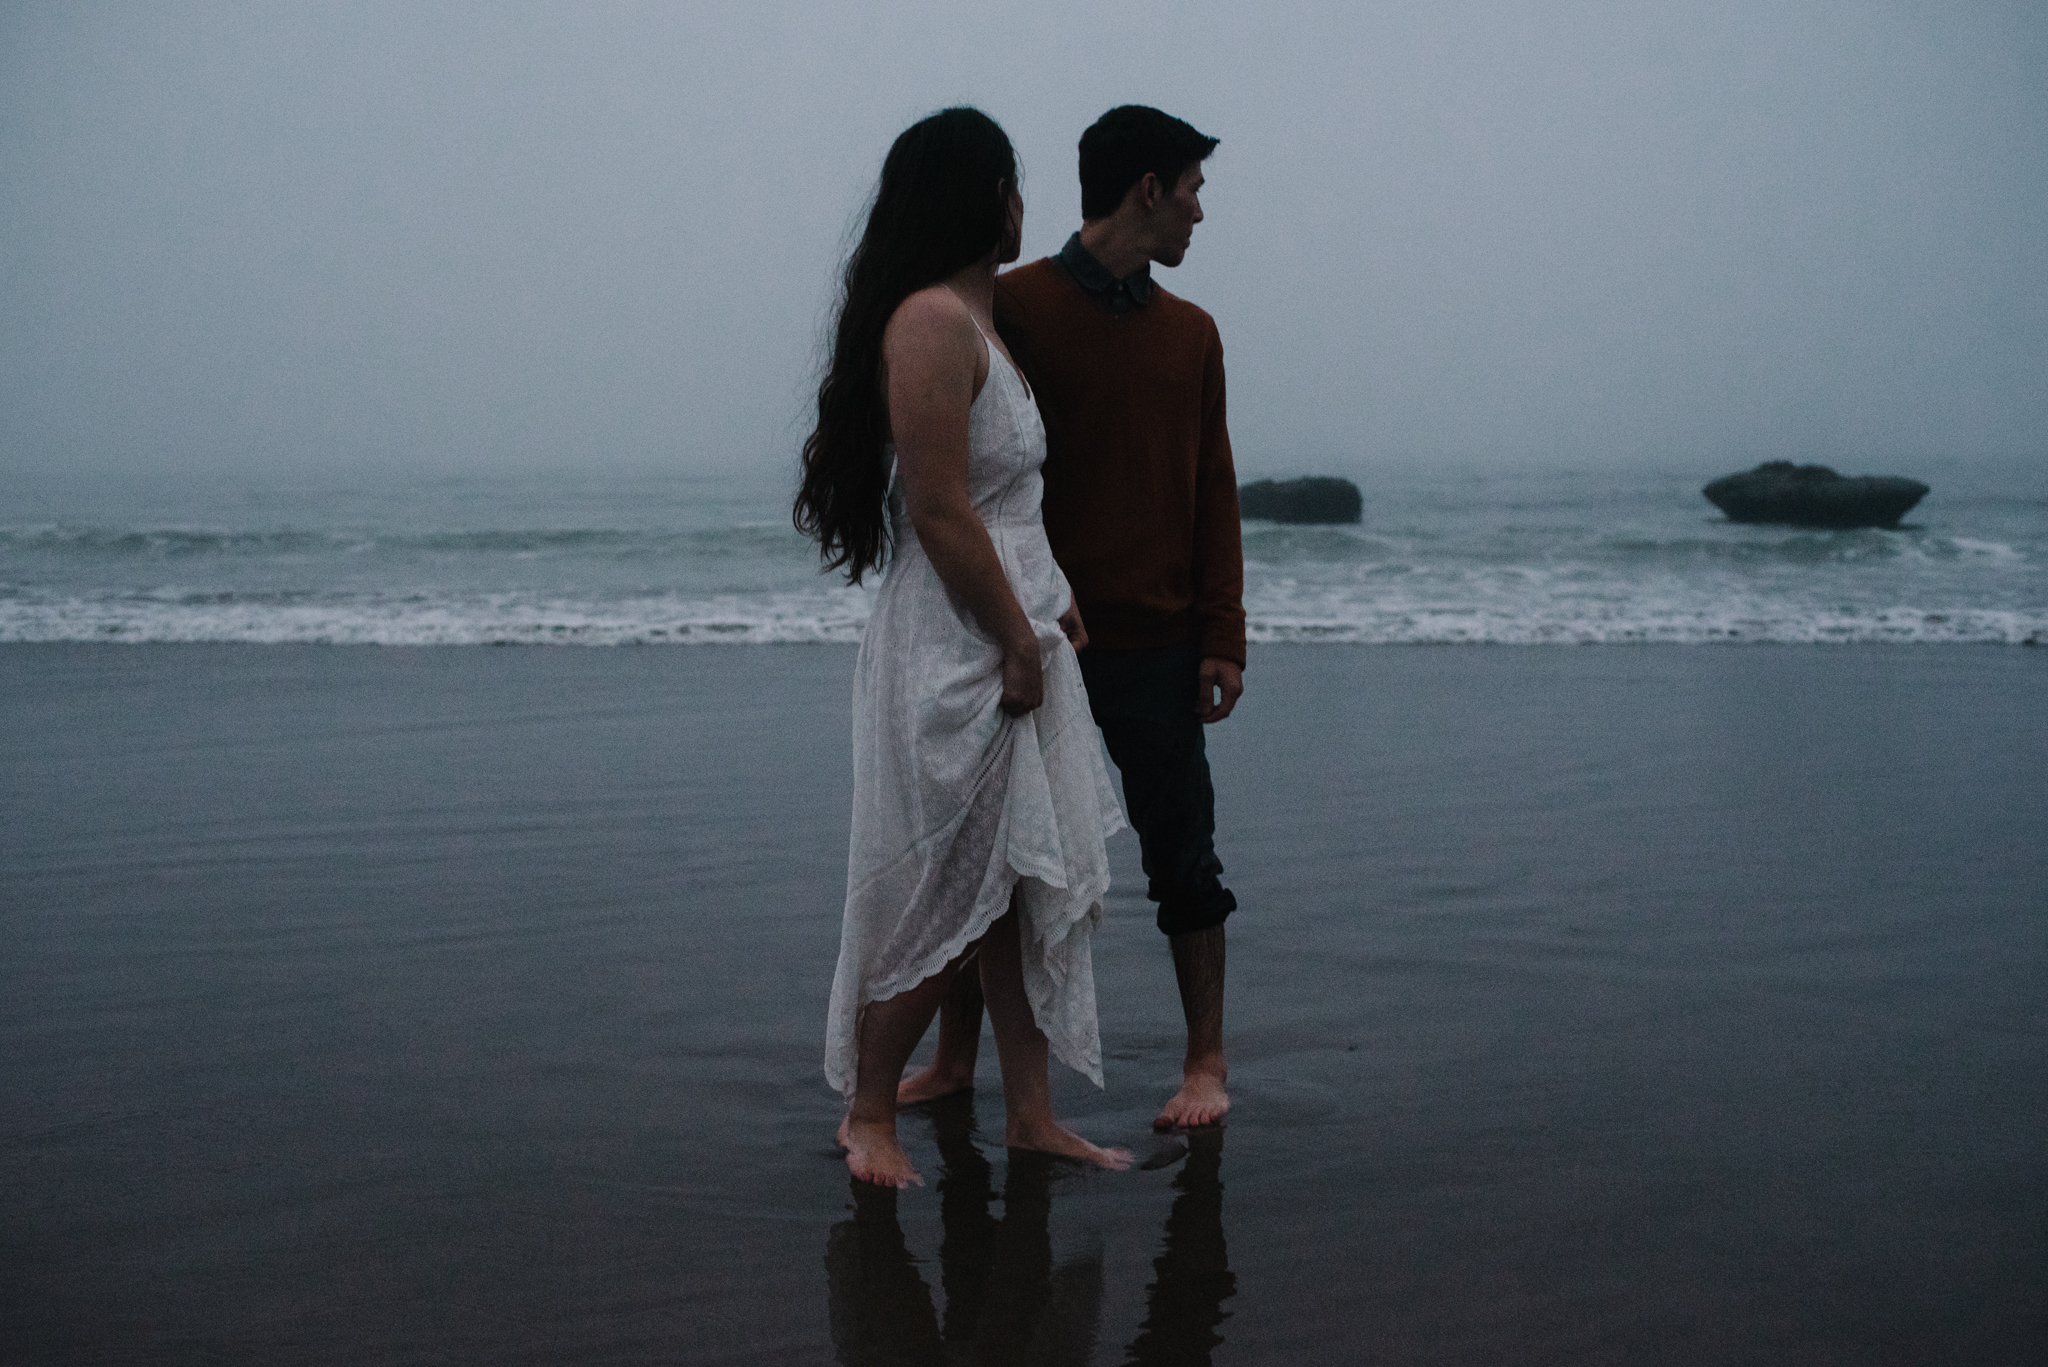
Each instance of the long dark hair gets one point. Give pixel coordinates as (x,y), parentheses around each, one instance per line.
(943,204)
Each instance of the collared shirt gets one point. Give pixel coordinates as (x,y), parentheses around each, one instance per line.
(1118,296)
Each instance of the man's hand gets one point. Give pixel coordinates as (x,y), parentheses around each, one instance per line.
(1218,677)
(1070,623)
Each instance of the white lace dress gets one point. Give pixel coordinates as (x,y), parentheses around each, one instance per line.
(956,804)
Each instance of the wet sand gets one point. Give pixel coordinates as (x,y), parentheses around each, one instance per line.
(1587,1005)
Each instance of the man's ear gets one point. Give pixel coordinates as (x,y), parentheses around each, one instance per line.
(1149,191)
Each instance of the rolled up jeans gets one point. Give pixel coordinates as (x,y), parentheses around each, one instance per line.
(1144,701)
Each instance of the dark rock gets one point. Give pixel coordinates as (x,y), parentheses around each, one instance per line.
(1813,496)
(1317,499)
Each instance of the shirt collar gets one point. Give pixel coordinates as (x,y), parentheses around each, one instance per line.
(1118,296)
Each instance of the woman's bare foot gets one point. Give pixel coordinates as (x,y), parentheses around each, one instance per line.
(932,1083)
(928,1085)
(1200,1101)
(1049,1136)
(873,1155)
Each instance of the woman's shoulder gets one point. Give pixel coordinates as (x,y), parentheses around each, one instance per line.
(932,333)
(933,313)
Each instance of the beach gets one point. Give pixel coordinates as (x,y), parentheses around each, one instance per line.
(1676,1003)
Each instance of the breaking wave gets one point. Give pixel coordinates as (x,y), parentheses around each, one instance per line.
(1442,566)
(837,615)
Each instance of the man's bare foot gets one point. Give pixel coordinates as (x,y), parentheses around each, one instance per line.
(873,1155)
(1054,1138)
(1200,1101)
(933,1083)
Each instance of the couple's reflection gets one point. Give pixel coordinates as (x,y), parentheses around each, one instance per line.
(1005,1300)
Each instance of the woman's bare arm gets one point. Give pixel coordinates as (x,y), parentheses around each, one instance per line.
(936,363)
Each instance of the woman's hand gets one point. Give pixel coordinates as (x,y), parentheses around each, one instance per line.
(1023,676)
(1070,623)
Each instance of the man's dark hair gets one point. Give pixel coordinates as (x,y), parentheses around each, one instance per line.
(1122,145)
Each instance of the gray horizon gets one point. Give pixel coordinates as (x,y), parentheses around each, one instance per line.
(281,242)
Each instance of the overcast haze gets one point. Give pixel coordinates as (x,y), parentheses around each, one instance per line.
(296,239)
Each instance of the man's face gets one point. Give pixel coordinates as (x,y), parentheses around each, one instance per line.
(1175,217)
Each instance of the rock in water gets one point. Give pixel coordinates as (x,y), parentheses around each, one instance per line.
(1813,496)
(1317,499)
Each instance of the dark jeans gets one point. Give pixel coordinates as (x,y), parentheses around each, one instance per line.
(1144,701)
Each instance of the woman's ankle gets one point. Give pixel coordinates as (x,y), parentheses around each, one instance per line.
(873,1116)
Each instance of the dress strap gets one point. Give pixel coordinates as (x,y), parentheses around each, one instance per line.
(994,354)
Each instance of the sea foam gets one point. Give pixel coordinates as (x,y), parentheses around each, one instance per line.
(1502,561)
(837,616)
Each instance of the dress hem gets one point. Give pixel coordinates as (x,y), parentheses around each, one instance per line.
(842,1080)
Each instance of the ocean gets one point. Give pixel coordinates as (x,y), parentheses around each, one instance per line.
(1679,1003)
(1451,554)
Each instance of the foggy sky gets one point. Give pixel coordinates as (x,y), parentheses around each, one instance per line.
(297,238)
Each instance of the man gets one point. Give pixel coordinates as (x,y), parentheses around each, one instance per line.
(1141,510)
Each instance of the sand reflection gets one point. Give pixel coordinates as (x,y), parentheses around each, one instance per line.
(1005,1300)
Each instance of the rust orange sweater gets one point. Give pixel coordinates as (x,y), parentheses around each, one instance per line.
(1140,493)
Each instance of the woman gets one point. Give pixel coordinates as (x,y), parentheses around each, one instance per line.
(980,801)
